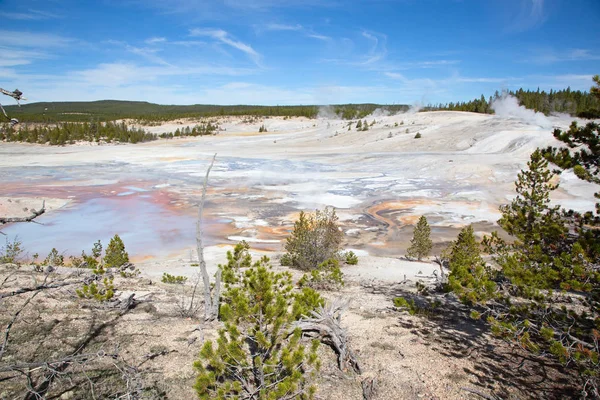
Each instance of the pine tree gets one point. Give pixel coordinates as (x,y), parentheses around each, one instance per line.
(258,354)
(115,255)
(595,90)
(420,245)
(469,277)
(529,216)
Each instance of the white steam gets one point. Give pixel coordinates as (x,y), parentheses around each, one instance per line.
(414,108)
(380,112)
(508,106)
(327,112)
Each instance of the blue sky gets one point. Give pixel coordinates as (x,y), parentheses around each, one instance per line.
(295,51)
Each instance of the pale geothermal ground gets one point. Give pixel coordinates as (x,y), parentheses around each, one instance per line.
(380,182)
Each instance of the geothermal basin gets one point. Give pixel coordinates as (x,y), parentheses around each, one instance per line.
(380,181)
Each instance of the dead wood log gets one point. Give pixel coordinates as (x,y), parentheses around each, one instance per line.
(29,218)
(324,323)
(43,286)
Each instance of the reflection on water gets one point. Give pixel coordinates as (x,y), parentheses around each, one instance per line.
(146,228)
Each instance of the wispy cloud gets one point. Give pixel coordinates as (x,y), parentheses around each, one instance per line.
(319,37)
(527,15)
(378,50)
(281,27)
(306,31)
(13,57)
(155,40)
(550,56)
(30,15)
(32,40)
(224,37)
(148,54)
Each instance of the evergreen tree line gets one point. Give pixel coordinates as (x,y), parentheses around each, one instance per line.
(204,128)
(109,132)
(144,113)
(572,102)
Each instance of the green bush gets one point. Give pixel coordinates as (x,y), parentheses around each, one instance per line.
(327,276)
(469,277)
(115,255)
(12,252)
(102,291)
(351,258)
(315,238)
(418,135)
(257,350)
(413,309)
(54,259)
(168,278)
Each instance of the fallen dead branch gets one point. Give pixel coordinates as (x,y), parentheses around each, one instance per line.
(43,286)
(324,323)
(29,218)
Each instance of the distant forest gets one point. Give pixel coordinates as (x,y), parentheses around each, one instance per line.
(149,113)
(109,132)
(572,102)
(67,122)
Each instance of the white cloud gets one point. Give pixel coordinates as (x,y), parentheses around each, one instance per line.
(32,40)
(148,54)
(13,57)
(550,56)
(224,37)
(528,14)
(113,80)
(378,50)
(30,15)
(155,40)
(281,27)
(319,37)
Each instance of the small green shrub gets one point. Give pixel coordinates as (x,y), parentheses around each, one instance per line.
(286,260)
(54,259)
(129,271)
(415,309)
(168,278)
(410,305)
(328,276)
(418,135)
(115,255)
(351,258)
(76,262)
(12,252)
(98,291)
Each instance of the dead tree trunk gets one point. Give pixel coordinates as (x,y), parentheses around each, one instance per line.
(211,301)
(18,96)
(324,323)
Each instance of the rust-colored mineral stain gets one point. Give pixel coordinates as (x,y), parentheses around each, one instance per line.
(385,211)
